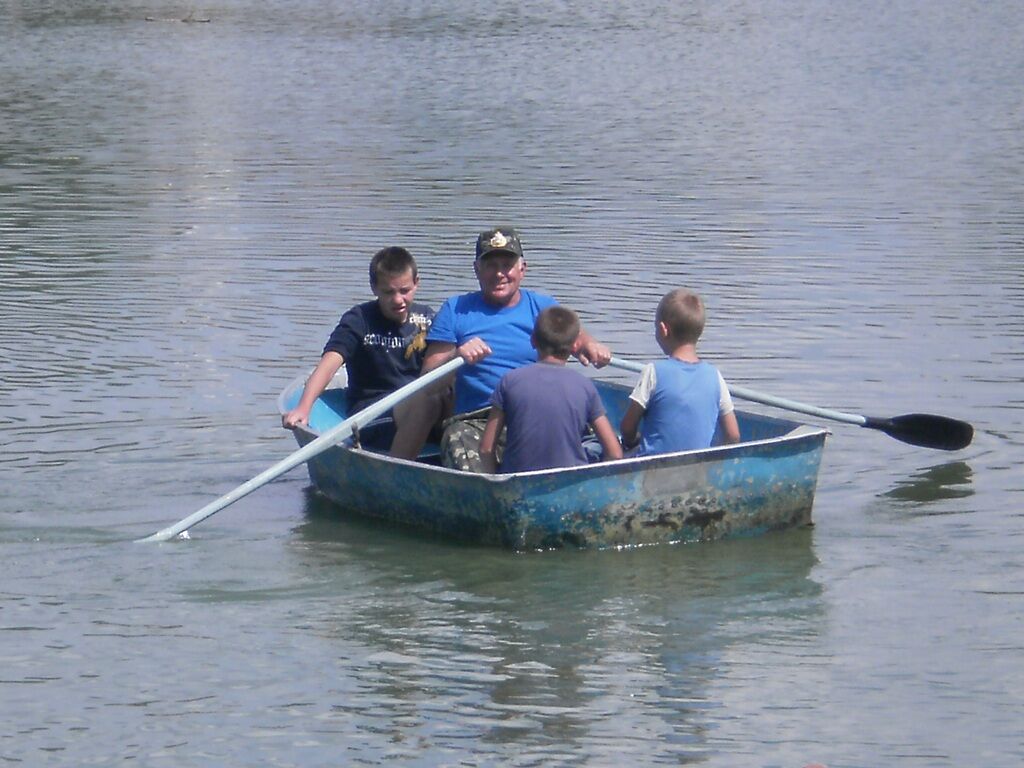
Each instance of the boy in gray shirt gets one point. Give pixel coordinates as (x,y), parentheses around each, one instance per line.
(545,406)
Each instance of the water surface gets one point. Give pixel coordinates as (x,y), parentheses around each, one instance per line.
(187,208)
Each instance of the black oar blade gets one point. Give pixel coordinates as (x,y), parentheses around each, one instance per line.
(926,430)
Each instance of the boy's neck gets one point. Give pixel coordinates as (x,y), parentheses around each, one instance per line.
(551,359)
(686,353)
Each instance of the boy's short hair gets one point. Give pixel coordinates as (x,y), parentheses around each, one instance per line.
(393,261)
(555,331)
(682,311)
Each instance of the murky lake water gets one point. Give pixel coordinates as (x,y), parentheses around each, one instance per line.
(185,210)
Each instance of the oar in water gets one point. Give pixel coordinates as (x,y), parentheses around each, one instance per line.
(922,429)
(329,438)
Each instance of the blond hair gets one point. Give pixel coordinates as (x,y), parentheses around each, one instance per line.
(682,312)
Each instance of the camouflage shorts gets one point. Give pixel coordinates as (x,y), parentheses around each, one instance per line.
(460,445)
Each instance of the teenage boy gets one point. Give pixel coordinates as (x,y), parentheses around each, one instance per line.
(546,407)
(381,343)
(681,399)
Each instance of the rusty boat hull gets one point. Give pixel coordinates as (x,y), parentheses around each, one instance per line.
(764,483)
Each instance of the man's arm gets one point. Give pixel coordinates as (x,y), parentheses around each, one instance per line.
(589,350)
(440,352)
(415,417)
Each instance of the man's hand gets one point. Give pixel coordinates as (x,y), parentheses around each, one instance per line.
(476,349)
(590,351)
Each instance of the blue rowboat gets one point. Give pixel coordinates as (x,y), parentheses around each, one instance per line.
(764,483)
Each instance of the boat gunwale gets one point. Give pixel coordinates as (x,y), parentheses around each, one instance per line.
(801,433)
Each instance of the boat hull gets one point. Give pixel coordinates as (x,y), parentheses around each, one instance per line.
(763,484)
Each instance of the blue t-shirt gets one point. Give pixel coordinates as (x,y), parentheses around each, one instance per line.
(547,409)
(682,403)
(377,352)
(506,330)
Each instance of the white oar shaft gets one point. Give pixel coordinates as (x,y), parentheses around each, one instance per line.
(760,397)
(793,405)
(331,437)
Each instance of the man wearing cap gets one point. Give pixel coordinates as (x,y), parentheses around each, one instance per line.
(490,329)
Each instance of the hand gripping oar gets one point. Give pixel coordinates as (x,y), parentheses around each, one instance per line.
(329,438)
(922,429)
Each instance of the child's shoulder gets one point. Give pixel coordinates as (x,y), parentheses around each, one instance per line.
(538,370)
(672,363)
(566,373)
(530,371)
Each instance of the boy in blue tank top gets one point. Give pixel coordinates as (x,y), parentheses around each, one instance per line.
(545,406)
(680,400)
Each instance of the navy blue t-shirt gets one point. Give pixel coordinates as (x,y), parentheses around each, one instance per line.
(378,354)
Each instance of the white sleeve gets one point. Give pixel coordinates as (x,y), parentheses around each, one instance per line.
(724,398)
(644,388)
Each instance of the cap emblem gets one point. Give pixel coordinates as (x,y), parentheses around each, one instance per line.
(498,240)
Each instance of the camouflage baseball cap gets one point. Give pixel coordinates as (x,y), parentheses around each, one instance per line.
(499,240)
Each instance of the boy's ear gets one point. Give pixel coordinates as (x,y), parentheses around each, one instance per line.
(577,344)
(662,330)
